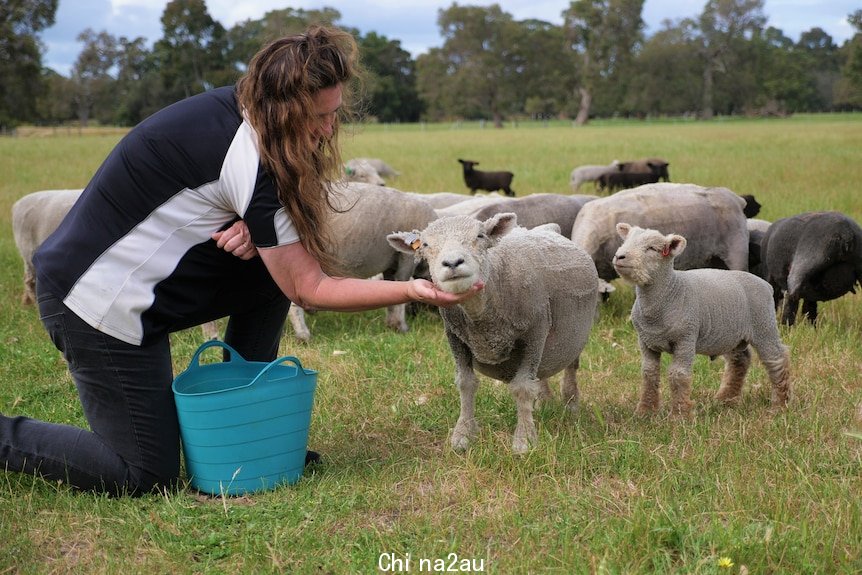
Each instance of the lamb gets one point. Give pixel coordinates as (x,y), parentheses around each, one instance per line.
(708,311)
(756,230)
(538,209)
(382,168)
(362,172)
(813,256)
(489,181)
(711,219)
(35,217)
(634,173)
(589,173)
(440,200)
(531,320)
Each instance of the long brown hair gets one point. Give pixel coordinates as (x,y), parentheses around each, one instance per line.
(277,96)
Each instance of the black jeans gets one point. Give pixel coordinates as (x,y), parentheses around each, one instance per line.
(125,392)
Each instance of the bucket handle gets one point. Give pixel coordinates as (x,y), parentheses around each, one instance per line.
(235,357)
(279,361)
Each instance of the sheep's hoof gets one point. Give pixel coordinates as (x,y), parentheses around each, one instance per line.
(521,445)
(463,434)
(646,409)
(460,442)
(727,395)
(682,408)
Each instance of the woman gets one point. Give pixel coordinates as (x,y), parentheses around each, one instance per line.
(156,245)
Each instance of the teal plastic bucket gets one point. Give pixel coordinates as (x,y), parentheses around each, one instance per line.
(244,424)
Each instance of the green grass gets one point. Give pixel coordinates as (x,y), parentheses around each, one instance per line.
(604,491)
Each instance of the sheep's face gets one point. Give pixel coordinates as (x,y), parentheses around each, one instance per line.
(644,253)
(455,248)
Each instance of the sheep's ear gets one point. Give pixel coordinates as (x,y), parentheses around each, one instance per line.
(407,242)
(499,225)
(623,230)
(674,245)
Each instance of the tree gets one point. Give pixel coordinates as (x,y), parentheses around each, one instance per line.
(724,27)
(21,57)
(605,33)
(667,71)
(851,85)
(192,53)
(138,81)
(93,85)
(391,82)
(480,65)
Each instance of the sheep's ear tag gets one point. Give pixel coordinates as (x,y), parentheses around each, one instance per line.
(665,251)
(414,242)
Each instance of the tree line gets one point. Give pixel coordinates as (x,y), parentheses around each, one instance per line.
(598,63)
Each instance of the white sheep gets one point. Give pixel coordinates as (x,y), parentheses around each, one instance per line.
(531,320)
(706,311)
(35,217)
(362,172)
(382,168)
(589,173)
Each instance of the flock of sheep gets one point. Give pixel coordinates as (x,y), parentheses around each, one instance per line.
(708,277)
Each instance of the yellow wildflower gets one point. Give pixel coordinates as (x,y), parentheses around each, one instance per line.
(725,563)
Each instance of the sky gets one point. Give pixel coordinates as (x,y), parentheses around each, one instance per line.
(412,22)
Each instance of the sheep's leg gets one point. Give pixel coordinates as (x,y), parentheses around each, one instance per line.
(809,308)
(210,330)
(679,378)
(651,372)
(524,390)
(544,394)
(466,427)
(569,386)
(29,295)
(777,365)
(791,306)
(396,317)
(735,369)
(296,316)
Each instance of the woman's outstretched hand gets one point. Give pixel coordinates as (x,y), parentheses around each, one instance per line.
(424,291)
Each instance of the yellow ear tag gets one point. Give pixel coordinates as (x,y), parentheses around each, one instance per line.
(415,244)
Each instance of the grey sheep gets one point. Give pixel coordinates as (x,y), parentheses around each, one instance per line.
(538,209)
(589,173)
(634,173)
(711,219)
(708,312)
(489,181)
(531,321)
(813,256)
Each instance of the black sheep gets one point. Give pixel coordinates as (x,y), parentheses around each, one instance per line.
(489,181)
(814,256)
(633,174)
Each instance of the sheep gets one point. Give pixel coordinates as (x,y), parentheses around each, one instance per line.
(711,219)
(469,206)
(382,168)
(813,256)
(588,173)
(756,231)
(537,209)
(707,311)
(35,217)
(531,320)
(752,206)
(365,215)
(362,172)
(489,181)
(634,173)
(439,200)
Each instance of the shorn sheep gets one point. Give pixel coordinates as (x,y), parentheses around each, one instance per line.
(488,181)
(812,257)
(708,311)
(589,173)
(531,320)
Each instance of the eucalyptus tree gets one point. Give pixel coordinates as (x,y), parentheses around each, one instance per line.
(606,35)
(725,27)
(476,66)
(21,57)
(94,91)
(851,89)
(390,79)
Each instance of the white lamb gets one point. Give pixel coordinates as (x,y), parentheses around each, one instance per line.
(531,320)
(589,173)
(362,172)
(704,311)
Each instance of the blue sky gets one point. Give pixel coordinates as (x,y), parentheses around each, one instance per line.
(413,22)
